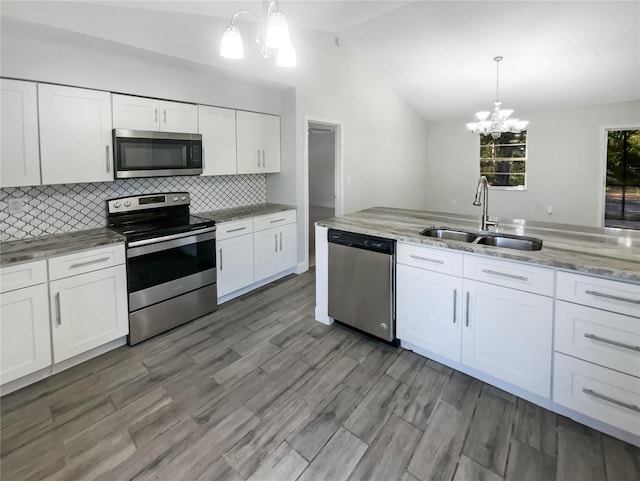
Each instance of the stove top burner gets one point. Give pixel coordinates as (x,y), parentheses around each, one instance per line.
(153,215)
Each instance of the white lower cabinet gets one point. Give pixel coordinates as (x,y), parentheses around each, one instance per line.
(88,310)
(604,394)
(235,264)
(507,334)
(429,307)
(274,250)
(26,338)
(503,332)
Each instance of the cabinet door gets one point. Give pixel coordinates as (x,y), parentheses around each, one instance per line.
(178,117)
(271,143)
(87,311)
(258,138)
(75,135)
(19,156)
(429,310)
(507,334)
(274,251)
(287,247)
(26,338)
(235,264)
(135,113)
(218,129)
(265,253)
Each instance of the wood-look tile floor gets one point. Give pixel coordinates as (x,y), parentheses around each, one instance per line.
(260,391)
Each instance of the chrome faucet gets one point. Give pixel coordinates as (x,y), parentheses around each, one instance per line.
(483,189)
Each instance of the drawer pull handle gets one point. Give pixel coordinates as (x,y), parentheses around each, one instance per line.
(593,393)
(88,263)
(236,230)
(420,258)
(277,220)
(58,315)
(613,343)
(504,274)
(615,298)
(455,297)
(467,323)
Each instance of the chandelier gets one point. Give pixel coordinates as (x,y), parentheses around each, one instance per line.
(498,121)
(273,36)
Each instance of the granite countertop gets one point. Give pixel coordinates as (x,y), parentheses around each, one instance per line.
(237,213)
(37,248)
(607,252)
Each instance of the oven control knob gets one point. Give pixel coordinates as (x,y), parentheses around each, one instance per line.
(116,205)
(127,204)
(184,197)
(175,198)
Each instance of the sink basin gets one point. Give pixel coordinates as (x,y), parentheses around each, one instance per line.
(496,240)
(509,242)
(449,234)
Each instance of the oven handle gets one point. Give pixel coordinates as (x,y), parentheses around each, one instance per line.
(155,240)
(169,242)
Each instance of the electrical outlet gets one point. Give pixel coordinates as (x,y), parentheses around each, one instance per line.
(17,205)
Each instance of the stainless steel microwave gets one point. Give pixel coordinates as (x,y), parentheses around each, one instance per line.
(147,153)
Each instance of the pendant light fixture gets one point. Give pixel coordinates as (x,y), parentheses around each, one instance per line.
(498,121)
(273,35)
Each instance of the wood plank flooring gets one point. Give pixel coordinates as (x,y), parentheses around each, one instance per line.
(259,391)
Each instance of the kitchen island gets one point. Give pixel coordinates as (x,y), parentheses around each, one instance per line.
(558,326)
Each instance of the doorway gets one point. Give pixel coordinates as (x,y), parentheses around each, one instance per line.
(323,157)
(622,181)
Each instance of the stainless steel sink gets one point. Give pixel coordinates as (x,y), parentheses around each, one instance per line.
(496,240)
(449,234)
(511,242)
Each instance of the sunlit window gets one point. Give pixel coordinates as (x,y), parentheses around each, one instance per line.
(503,160)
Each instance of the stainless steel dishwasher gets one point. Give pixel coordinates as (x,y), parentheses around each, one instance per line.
(361,282)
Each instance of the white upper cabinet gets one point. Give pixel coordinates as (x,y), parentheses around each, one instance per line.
(218,129)
(75,135)
(141,113)
(20,157)
(258,139)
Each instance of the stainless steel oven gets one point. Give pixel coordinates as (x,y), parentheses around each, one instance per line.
(171,261)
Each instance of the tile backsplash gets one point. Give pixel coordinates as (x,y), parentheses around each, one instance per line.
(52,209)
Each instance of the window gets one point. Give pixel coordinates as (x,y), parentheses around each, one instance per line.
(503,160)
(622,208)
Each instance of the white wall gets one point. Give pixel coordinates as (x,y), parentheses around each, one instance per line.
(36,52)
(564,165)
(322,172)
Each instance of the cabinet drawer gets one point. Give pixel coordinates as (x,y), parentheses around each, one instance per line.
(86,261)
(601,337)
(525,277)
(616,296)
(430,258)
(228,230)
(274,220)
(598,392)
(23,275)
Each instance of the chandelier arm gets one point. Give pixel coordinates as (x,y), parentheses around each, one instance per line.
(260,34)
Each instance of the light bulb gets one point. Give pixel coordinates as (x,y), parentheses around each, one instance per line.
(277,31)
(232,43)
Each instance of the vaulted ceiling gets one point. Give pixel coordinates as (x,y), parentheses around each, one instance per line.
(438,55)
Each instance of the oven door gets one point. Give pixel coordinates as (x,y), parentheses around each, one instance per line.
(160,269)
(153,154)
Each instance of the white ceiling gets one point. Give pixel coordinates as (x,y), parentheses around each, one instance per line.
(438,54)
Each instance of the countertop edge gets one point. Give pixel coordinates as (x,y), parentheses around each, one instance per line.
(581,265)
